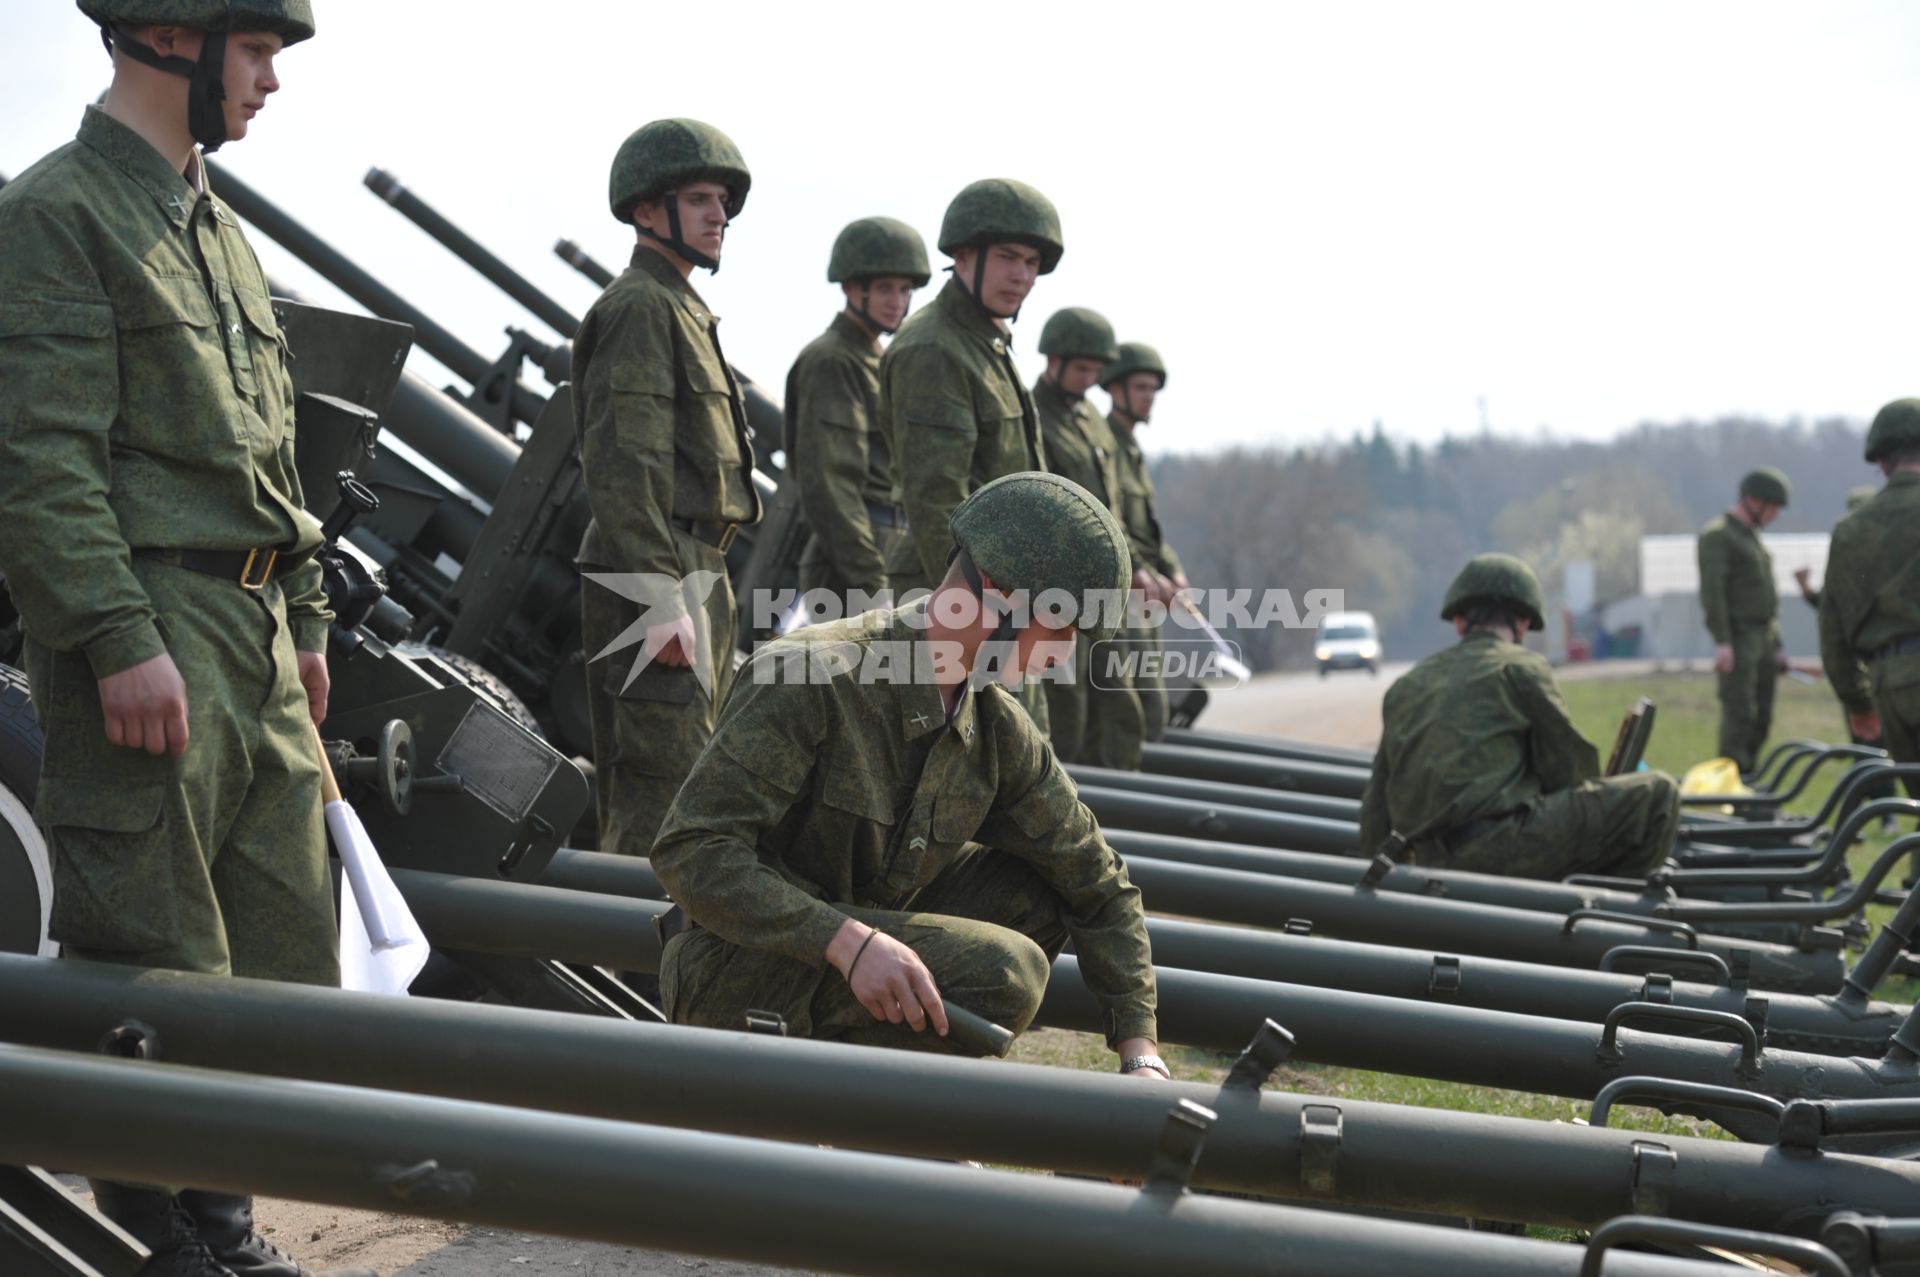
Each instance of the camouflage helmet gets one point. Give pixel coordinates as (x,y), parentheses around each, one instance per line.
(999,210)
(1496,578)
(1034,531)
(1766,484)
(667,154)
(1857,497)
(1895,428)
(1134,356)
(1078,333)
(291,20)
(874,247)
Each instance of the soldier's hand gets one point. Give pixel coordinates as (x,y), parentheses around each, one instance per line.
(1780,659)
(146,707)
(671,643)
(313,677)
(887,977)
(1723,658)
(1866,726)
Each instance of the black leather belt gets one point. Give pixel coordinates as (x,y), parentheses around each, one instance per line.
(1899,647)
(887,516)
(248,569)
(714,532)
(671,923)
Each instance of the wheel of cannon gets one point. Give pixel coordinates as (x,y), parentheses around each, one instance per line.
(483,680)
(26,872)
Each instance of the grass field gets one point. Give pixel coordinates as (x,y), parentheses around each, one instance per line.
(1685,733)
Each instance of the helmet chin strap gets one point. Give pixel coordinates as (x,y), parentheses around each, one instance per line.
(980,282)
(675,241)
(1003,633)
(205,77)
(866,316)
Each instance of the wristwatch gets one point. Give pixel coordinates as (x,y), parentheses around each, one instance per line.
(1134,1063)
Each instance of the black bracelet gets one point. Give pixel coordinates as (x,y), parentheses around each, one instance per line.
(871,933)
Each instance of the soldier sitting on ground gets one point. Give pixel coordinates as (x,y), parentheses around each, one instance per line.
(875,801)
(1480,766)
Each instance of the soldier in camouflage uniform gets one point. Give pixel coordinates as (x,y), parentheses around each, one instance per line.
(837,452)
(1132,381)
(159,553)
(1870,603)
(1091,718)
(1481,768)
(875,801)
(955,409)
(668,469)
(1742,610)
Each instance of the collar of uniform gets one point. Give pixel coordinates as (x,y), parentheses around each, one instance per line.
(921,708)
(656,264)
(958,304)
(1123,431)
(848,329)
(135,156)
(1903,478)
(1049,395)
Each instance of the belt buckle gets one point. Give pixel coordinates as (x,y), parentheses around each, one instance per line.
(248,581)
(726,537)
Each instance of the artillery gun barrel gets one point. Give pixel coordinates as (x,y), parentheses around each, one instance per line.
(1330,779)
(1193,818)
(517,1168)
(1215,1015)
(583,261)
(1213,791)
(1388,1156)
(1271,747)
(466,362)
(469,250)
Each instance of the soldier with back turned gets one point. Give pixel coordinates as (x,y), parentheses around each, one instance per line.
(1480,766)
(160,556)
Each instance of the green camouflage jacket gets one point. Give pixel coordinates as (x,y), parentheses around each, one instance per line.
(957,416)
(663,429)
(1872,591)
(146,400)
(1736,577)
(1079,442)
(1472,732)
(836,451)
(1136,510)
(854,789)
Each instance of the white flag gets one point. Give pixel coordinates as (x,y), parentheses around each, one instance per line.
(381,946)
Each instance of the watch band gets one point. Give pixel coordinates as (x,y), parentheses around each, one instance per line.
(1134,1063)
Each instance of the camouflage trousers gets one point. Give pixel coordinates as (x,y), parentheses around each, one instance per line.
(988,928)
(1091,719)
(1622,825)
(1896,698)
(1148,684)
(215,861)
(647,733)
(1746,694)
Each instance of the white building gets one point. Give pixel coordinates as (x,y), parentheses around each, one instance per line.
(1668,608)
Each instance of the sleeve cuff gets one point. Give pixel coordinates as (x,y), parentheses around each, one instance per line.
(124,650)
(1122,1025)
(309,632)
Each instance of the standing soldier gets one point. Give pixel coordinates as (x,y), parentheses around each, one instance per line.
(668,469)
(837,451)
(1132,382)
(1090,719)
(1742,610)
(1480,766)
(1870,602)
(956,411)
(159,553)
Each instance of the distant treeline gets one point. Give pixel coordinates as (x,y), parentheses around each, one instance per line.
(1390,523)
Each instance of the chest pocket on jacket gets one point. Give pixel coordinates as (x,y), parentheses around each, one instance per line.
(267,345)
(176,387)
(714,441)
(869,806)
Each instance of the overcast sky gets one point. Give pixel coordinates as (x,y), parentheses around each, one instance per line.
(1587,215)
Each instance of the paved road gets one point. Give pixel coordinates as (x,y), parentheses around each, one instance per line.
(1341,709)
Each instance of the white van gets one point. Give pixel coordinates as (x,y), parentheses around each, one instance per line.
(1347,641)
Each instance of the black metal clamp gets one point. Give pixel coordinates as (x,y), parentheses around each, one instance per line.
(1182,1137)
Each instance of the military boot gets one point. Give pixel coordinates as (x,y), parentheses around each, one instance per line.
(225,1223)
(157,1221)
